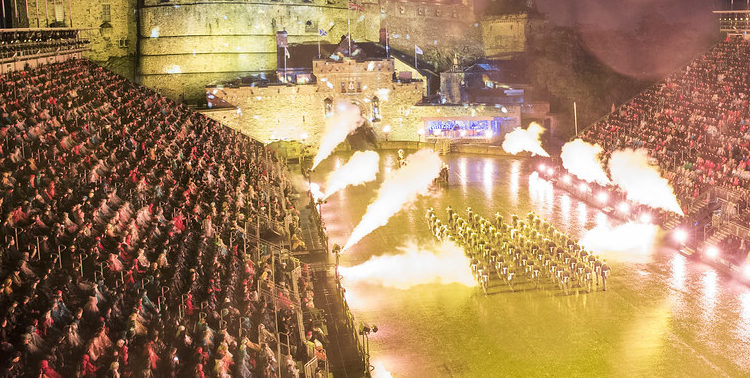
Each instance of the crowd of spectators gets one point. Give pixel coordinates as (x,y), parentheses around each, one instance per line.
(694,123)
(126,249)
(736,249)
(24,43)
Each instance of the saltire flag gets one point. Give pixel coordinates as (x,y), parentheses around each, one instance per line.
(322,32)
(417,50)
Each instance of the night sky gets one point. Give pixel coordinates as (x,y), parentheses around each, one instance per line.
(640,38)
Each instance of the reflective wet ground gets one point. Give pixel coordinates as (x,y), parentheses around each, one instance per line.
(661,316)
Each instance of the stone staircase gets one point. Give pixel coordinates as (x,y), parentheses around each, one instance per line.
(720,234)
(675,220)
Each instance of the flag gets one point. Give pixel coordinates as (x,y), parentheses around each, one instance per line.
(322,32)
(286,52)
(417,50)
(356,7)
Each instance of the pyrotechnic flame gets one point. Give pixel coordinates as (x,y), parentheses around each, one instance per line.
(315,191)
(362,167)
(628,242)
(379,370)
(582,159)
(642,182)
(443,263)
(520,140)
(399,188)
(344,120)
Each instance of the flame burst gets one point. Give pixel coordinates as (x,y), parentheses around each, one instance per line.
(362,167)
(520,140)
(642,182)
(400,188)
(344,120)
(315,191)
(443,263)
(628,242)
(582,159)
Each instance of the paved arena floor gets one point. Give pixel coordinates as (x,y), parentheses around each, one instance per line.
(662,315)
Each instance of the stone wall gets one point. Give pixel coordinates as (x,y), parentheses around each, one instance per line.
(294,112)
(112,34)
(189,45)
(439,29)
(110,25)
(504,36)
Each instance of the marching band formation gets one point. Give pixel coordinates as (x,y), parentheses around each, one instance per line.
(530,252)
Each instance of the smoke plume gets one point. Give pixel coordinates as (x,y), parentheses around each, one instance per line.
(443,263)
(315,191)
(362,167)
(642,182)
(399,188)
(520,140)
(582,159)
(344,120)
(628,242)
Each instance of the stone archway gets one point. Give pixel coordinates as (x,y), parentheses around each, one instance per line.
(364,137)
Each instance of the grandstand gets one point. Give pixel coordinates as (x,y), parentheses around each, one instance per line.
(133,234)
(696,124)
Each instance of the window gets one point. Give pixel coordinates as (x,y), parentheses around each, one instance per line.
(328,107)
(375,109)
(420,11)
(106,15)
(311,26)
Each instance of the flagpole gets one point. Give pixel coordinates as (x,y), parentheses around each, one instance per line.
(415,58)
(349,32)
(388,37)
(318,43)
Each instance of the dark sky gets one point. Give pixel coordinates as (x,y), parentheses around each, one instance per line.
(624,13)
(640,38)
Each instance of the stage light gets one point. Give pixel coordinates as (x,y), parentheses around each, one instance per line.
(680,236)
(566,179)
(550,171)
(602,197)
(542,168)
(387,128)
(624,208)
(583,187)
(645,218)
(746,271)
(712,252)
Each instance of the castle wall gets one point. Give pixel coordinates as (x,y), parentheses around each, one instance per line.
(112,23)
(190,45)
(291,112)
(504,36)
(441,30)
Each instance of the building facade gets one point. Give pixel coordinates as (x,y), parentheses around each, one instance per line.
(392,107)
(179,46)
